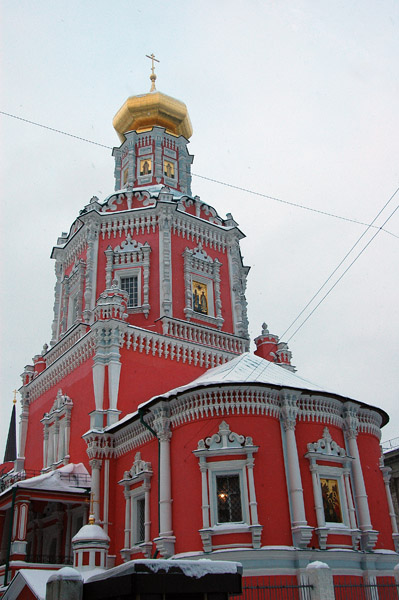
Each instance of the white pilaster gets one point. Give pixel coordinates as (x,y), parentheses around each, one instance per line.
(301,532)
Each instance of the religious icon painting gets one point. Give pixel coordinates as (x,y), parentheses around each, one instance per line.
(200,297)
(331,500)
(125,175)
(169,169)
(145,166)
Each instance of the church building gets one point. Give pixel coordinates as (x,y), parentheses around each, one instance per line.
(148,409)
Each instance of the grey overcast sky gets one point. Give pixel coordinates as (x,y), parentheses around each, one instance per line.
(297,100)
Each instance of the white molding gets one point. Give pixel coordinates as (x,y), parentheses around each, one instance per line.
(226,443)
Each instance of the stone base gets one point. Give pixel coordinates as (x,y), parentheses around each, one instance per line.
(301,535)
(112,416)
(165,545)
(368,540)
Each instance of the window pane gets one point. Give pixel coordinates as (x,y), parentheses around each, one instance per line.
(331,500)
(130,285)
(140,530)
(228,498)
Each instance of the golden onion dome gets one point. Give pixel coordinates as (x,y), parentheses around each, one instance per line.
(141,113)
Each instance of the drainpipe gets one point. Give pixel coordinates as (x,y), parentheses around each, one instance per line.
(141,413)
(14,491)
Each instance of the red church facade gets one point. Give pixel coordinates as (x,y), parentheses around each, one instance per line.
(148,401)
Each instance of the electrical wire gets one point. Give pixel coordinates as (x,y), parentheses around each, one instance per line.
(342,275)
(236,187)
(341,262)
(337,281)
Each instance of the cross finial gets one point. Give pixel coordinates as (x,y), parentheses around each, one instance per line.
(15,397)
(152,76)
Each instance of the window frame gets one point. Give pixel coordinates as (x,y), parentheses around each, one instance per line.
(198,266)
(137,486)
(228,444)
(327,450)
(131,273)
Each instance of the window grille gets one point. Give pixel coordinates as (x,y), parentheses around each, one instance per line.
(130,285)
(140,520)
(228,498)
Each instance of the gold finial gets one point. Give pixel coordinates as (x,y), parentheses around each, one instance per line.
(15,397)
(152,76)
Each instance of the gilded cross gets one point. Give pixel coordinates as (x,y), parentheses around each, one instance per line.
(15,397)
(152,57)
(152,76)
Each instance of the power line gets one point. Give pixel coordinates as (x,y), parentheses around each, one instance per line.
(338,280)
(55,130)
(341,262)
(341,276)
(321,212)
(230,185)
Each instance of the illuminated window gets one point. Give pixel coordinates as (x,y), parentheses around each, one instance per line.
(228,498)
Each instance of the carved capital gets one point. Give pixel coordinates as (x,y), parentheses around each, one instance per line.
(289,410)
(351,420)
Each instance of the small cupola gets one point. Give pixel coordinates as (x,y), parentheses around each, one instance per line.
(90,547)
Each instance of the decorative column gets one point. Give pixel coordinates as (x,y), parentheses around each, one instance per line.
(238,278)
(57,297)
(91,272)
(166,541)
(165,263)
(23,430)
(45,446)
(67,434)
(56,439)
(19,543)
(301,532)
(256,529)
(386,473)
(351,424)
(95,487)
(127,522)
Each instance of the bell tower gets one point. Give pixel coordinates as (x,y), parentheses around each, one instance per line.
(154,130)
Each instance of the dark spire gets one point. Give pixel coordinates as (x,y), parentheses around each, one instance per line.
(11,448)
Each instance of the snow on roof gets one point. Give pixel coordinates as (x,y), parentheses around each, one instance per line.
(65,478)
(245,368)
(35,579)
(249,368)
(89,533)
(190,568)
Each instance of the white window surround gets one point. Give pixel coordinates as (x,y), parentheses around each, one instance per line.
(227,444)
(137,485)
(198,266)
(130,259)
(326,450)
(57,431)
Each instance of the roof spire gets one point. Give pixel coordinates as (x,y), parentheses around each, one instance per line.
(11,447)
(152,76)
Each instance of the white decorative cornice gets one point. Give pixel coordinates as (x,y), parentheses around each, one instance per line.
(326,446)
(225,441)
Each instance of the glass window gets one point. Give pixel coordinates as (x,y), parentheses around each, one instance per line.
(228,498)
(130,285)
(140,520)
